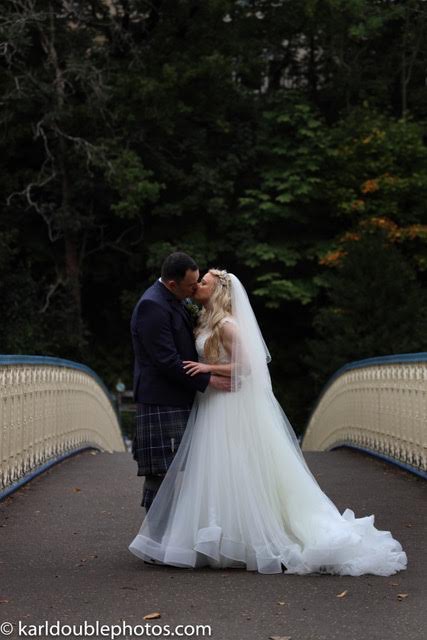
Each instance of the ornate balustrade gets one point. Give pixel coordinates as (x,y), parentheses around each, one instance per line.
(378,405)
(50,409)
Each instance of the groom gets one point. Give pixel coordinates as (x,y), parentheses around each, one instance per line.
(162,337)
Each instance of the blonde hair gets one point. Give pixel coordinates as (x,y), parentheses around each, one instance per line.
(219,308)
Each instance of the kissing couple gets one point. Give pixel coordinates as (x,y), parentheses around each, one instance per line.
(226,483)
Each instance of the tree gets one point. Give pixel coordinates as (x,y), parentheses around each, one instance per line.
(374,306)
(57,110)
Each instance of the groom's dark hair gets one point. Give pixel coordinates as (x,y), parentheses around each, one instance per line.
(176,265)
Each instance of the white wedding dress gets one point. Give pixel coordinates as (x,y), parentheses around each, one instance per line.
(239,494)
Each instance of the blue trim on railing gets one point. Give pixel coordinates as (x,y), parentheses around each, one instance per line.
(39,470)
(57,362)
(66,364)
(399,358)
(383,456)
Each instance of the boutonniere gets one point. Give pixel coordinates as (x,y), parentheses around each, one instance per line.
(193,309)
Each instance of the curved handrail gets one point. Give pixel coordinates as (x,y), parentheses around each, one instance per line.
(57,362)
(378,405)
(50,408)
(398,358)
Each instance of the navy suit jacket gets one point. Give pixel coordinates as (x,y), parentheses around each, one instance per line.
(162,337)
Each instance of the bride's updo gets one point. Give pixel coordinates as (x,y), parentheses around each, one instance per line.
(219,307)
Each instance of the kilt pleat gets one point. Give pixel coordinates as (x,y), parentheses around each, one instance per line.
(158,433)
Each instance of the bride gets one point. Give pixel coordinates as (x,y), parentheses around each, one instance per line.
(239,492)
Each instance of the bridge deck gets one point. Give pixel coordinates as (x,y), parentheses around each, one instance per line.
(64,557)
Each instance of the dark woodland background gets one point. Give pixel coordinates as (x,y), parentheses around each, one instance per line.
(284,141)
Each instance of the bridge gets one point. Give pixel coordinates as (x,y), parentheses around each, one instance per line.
(70,505)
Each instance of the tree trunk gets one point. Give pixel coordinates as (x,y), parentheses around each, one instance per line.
(70,231)
(72,251)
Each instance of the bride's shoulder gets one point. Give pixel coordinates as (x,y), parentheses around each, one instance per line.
(228,319)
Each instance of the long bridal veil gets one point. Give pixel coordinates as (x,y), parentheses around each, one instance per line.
(251,376)
(239,491)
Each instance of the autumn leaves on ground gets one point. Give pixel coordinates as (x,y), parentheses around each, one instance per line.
(64,556)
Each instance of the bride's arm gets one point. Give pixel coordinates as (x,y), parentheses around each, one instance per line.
(227,331)
(192,368)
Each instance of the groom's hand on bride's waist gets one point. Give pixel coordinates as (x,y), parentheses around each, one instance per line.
(222,383)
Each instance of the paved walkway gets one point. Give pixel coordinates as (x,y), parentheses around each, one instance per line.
(64,556)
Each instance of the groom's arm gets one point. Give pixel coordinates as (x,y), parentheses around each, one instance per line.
(154,331)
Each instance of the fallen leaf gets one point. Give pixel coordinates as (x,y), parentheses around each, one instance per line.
(76,489)
(3,600)
(152,616)
(342,595)
(402,596)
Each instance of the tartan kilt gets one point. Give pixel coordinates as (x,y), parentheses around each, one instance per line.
(158,433)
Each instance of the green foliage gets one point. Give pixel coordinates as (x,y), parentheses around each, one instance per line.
(293,142)
(256,136)
(134,185)
(17,298)
(277,289)
(374,307)
(379,166)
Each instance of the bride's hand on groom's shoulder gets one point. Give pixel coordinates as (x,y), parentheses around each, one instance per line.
(193,368)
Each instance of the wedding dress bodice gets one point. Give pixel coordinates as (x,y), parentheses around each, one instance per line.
(224,358)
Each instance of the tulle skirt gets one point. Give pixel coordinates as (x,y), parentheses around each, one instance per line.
(239,494)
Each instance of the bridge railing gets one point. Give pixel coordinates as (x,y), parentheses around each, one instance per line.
(378,405)
(49,409)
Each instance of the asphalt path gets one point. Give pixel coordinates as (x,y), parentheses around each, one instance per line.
(64,558)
